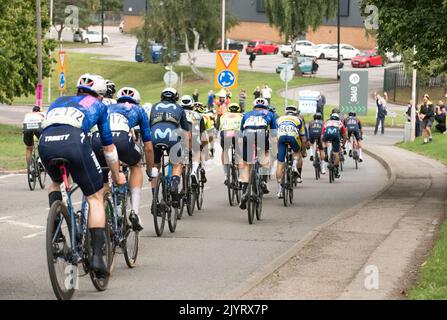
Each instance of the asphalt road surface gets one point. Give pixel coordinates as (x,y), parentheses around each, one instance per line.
(209,255)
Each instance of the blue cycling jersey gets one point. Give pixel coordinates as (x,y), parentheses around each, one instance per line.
(258,119)
(129,115)
(84,112)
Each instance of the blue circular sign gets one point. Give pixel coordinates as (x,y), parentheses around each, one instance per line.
(226,78)
(62,80)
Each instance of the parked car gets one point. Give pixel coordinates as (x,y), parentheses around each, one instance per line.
(305,64)
(159,53)
(121,26)
(346,52)
(262,47)
(392,57)
(89,36)
(366,59)
(303,48)
(320,51)
(235,45)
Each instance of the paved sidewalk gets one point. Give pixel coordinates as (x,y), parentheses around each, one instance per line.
(392,234)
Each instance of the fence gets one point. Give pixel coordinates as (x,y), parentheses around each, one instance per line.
(398,85)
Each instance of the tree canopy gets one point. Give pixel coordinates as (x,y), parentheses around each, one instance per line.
(18,48)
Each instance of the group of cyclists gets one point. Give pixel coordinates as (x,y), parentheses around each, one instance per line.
(99,128)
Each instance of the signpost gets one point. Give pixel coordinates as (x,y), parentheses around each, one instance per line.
(354,92)
(286,75)
(62,72)
(170,78)
(227,69)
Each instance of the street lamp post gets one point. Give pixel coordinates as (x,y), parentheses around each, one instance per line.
(414,102)
(223,24)
(102,22)
(39,88)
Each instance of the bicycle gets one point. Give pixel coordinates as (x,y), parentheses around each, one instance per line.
(161,207)
(254,188)
(186,193)
(64,223)
(233,189)
(317,162)
(117,204)
(287,181)
(355,152)
(35,169)
(197,189)
(331,162)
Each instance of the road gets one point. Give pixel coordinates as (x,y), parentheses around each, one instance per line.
(210,254)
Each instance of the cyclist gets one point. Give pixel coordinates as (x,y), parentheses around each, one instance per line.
(315,130)
(209,119)
(334,131)
(123,116)
(291,132)
(354,127)
(65,128)
(255,122)
(166,121)
(221,106)
(111,90)
(32,126)
(198,134)
(230,125)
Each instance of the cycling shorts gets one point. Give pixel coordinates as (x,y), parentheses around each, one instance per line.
(356,134)
(250,142)
(315,138)
(72,144)
(334,138)
(28,136)
(285,141)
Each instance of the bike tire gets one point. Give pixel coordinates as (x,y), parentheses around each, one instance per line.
(158,212)
(259,204)
(285,189)
(42,174)
(230,190)
(172,219)
(31,174)
(190,201)
(131,238)
(236,188)
(200,196)
(99,283)
(183,193)
(290,186)
(251,204)
(60,291)
(108,206)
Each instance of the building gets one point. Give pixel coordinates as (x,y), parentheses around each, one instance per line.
(253,23)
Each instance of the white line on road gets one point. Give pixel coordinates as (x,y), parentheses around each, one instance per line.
(11,175)
(33,235)
(7,217)
(22,224)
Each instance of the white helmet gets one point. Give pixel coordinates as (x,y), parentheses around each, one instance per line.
(169,94)
(186,102)
(93,83)
(261,103)
(128,94)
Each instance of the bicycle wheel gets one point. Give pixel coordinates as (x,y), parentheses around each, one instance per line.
(100,284)
(251,202)
(172,216)
(317,167)
(42,176)
(190,202)
(259,197)
(230,189)
(158,207)
(290,186)
(235,184)
(31,173)
(200,195)
(108,206)
(131,238)
(59,252)
(285,189)
(183,194)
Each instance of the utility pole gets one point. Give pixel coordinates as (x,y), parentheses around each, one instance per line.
(39,88)
(49,52)
(223,24)
(102,22)
(414,102)
(338,36)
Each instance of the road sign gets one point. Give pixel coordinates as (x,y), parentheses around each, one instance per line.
(286,73)
(354,92)
(227,69)
(62,71)
(307,101)
(170,78)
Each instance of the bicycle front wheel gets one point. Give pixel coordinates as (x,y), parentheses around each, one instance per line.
(31,173)
(158,208)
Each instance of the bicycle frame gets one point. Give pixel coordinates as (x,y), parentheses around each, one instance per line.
(119,191)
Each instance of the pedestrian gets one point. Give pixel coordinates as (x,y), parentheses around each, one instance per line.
(440,118)
(427,116)
(267,93)
(418,122)
(321,102)
(252,58)
(195,95)
(211,98)
(315,66)
(257,93)
(242,98)
(339,68)
(381,103)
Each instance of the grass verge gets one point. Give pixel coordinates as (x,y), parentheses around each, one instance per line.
(12,156)
(432,281)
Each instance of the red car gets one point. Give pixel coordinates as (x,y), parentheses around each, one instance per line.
(366,59)
(262,47)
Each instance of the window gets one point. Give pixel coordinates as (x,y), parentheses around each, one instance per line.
(260,6)
(344,8)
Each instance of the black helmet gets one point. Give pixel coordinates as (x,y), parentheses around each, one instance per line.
(169,94)
(36,109)
(335,110)
(318,116)
(111,89)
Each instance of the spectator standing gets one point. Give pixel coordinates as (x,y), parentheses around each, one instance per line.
(321,102)
(418,122)
(441,117)
(242,98)
(195,95)
(315,66)
(211,98)
(252,58)
(257,93)
(427,116)
(381,111)
(267,93)
(339,68)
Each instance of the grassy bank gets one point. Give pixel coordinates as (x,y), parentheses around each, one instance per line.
(148,78)
(432,282)
(12,156)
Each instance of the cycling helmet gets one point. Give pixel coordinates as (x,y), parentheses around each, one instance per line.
(261,103)
(187,102)
(335,110)
(352,114)
(111,89)
(335,116)
(36,109)
(200,108)
(272,109)
(128,94)
(318,116)
(292,110)
(234,108)
(92,83)
(169,94)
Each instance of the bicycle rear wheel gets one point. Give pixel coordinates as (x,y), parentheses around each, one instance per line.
(258,201)
(131,237)
(59,252)
(235,184)
(42,173)
(108,206)
(100,283)
(200,195)
(31,173)
(290,185)
(158,207)
(285,189)
(172,216)
(230,189)
(251,202)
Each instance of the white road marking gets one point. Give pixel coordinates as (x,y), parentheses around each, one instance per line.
(7,217)
(11,175)
(22,224)
(33,235)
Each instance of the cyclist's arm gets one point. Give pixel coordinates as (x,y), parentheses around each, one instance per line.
(145,132)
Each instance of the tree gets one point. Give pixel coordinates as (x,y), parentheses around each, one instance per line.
(403,24)
(61,11)
(191,24)
(294,17)
(18,43)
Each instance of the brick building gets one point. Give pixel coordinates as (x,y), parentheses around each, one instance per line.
(253,23)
